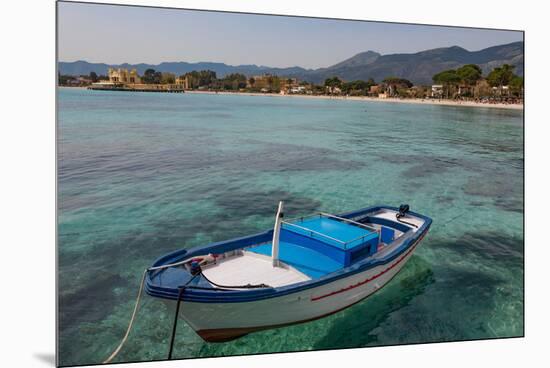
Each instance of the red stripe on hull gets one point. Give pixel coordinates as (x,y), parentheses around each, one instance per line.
(370,278)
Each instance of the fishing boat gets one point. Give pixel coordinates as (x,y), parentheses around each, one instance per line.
(301,270)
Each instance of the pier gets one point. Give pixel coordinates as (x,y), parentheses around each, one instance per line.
(129,81)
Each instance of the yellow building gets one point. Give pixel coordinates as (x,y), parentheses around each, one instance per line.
(183,82)
(124,76)
(124,80)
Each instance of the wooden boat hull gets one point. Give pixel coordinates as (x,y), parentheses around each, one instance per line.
(219,316)
(219,322)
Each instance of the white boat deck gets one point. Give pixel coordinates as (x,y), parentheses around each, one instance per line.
(252,268)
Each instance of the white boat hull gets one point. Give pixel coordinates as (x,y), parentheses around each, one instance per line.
(228,320)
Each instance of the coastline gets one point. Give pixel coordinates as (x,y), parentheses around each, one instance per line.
(375,99)
(417,101)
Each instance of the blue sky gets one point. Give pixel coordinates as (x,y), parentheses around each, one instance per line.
(117,34)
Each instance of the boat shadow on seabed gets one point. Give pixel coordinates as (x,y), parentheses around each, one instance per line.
(354,327)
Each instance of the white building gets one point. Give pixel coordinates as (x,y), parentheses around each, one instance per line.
(437,90)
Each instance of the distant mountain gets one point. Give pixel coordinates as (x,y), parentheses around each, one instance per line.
(417,67)
(421,66)
(361,59)
(84,68)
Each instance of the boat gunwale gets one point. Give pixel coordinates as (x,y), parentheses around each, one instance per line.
(214,295)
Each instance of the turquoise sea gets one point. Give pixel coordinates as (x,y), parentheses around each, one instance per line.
(142,174)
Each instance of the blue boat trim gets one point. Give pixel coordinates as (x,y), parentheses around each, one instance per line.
(235,296)
(305,260)
(352,236)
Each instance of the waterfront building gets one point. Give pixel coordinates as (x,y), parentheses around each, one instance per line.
(183,81)
(333,90)
(297,89)
(124,80)
(437,90)
(123,76)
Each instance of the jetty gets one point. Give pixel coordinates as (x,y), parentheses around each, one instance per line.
(125,80)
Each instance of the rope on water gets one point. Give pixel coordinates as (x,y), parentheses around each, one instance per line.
(117,350)
(454,218)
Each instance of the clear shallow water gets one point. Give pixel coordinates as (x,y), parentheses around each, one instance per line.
(142,174)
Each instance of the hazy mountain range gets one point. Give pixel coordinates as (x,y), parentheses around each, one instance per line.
(417,67)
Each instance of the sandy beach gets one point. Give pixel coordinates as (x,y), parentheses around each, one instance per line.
(374,99)
(418,101)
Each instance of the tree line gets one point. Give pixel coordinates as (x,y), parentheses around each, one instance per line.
(83,79)
(468,81)
(464,82)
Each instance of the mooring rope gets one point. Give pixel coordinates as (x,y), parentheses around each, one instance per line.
(117,350)
(140,292)
(181,290)
(398,218)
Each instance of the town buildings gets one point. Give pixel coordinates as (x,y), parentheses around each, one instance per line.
(123,76)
